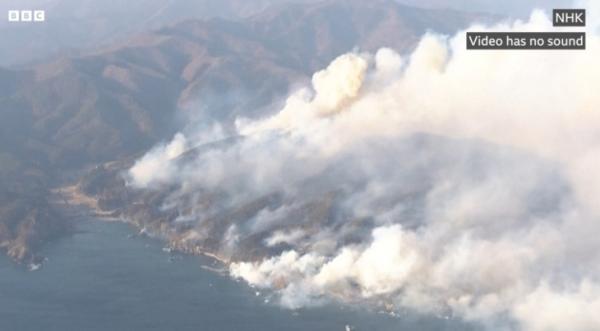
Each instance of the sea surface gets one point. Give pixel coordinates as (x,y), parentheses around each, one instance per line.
(103,278)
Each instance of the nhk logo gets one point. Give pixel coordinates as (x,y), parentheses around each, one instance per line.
(26,15)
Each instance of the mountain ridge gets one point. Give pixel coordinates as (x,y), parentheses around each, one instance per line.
(70,114)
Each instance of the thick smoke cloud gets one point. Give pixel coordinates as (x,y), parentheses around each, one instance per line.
(456,183)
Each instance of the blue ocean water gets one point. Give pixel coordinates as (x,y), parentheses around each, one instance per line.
(102,278)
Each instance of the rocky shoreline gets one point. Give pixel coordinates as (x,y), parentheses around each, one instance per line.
(79,204)
(86,205)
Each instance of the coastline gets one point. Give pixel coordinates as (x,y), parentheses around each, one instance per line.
(86,206)
(72,198)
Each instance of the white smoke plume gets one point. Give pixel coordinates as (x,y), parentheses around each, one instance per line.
(156,167)
(464,182)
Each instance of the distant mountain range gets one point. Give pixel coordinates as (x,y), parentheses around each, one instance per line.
(73,25)
(64,116)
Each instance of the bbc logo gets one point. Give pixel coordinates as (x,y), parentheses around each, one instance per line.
(26,15)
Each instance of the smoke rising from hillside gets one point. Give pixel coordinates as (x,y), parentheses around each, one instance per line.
(463,182)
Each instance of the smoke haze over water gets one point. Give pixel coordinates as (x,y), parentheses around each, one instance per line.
(464,183)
